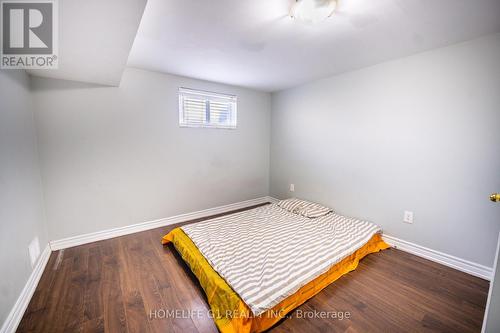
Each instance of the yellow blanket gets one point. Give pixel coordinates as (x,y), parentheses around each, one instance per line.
(230,313)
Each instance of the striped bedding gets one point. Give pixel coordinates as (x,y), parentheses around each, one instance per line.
(268,253)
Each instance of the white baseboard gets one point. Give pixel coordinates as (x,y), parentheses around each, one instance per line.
(116,232)
(442,258)
(272,199)
(17,312)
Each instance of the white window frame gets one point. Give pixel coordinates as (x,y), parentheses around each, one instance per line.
(208,97)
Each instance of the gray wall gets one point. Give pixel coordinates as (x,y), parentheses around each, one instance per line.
(21,206)
(419,134)
(113,157)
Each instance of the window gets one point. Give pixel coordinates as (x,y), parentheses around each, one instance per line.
(206,109)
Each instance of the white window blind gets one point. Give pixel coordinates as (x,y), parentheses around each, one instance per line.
(206,109)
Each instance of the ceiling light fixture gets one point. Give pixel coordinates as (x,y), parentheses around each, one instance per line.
(313,11)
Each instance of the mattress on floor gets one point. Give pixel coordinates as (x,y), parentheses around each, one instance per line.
(257,265)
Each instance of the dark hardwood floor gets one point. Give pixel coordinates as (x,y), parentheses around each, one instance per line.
(132,283)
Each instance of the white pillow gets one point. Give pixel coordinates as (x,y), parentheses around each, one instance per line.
(304,208)
(292,205)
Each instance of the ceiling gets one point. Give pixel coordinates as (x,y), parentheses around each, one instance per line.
(253,43)
(95,38)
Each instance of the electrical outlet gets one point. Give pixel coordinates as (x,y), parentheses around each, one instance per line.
(408,217)
(34,251)
(292,187)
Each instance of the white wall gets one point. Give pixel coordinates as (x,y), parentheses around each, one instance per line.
(419,133)
(113,157)
(21,204)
